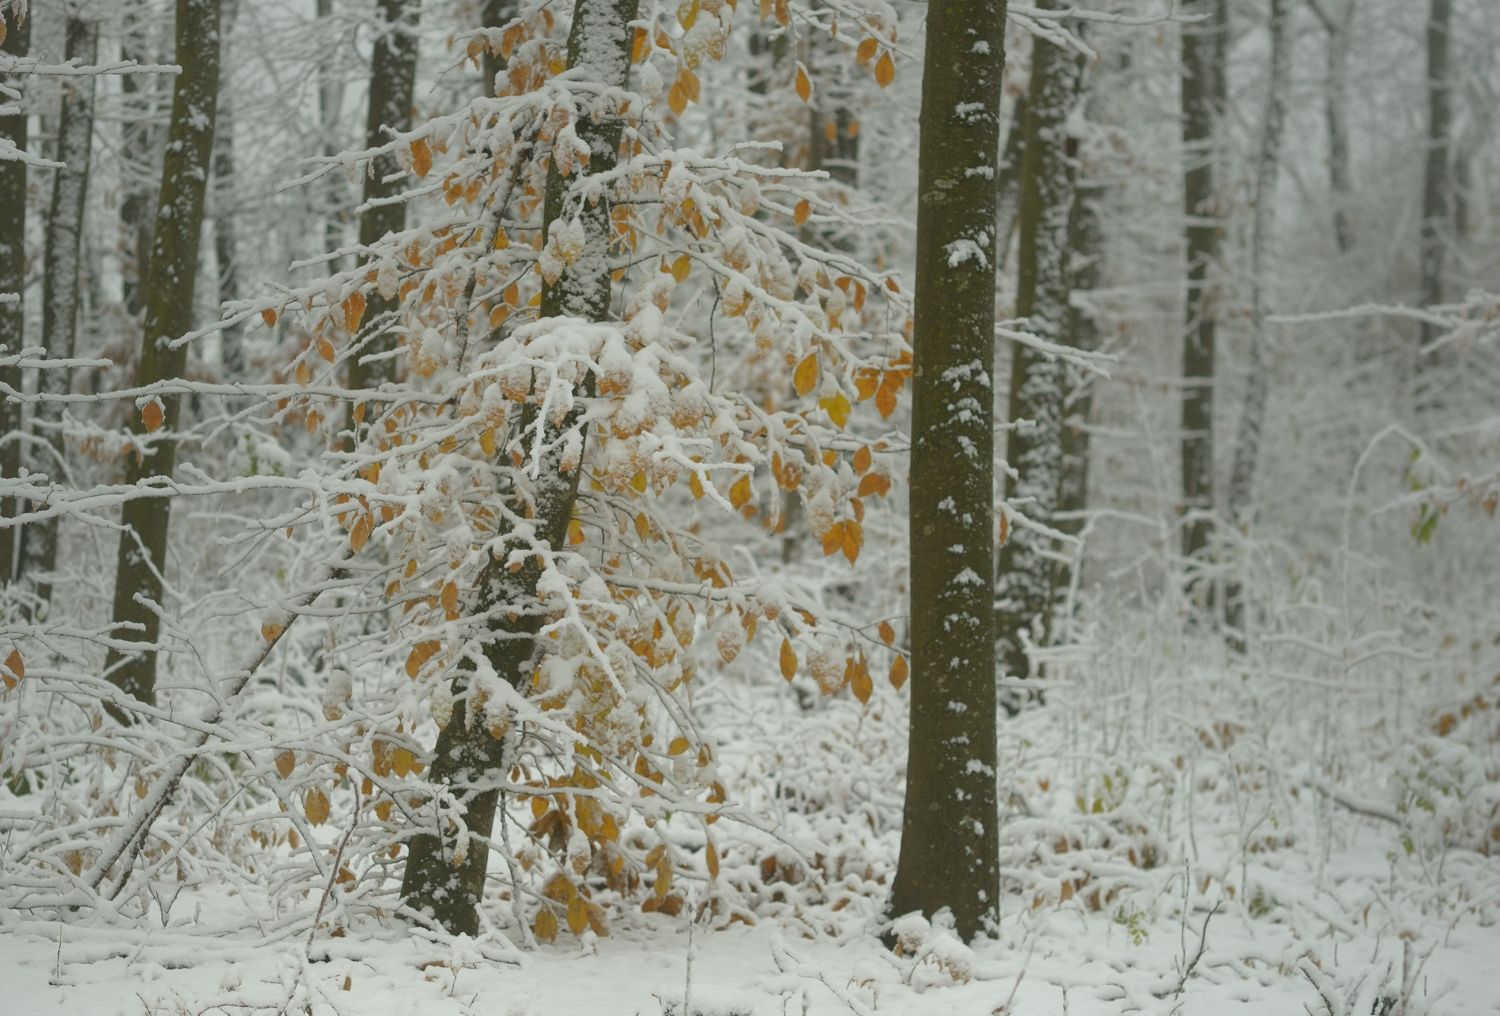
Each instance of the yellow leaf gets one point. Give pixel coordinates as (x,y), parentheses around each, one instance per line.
(898,672)
(688,82)
(887,633)
(803,84)
(688,17)
(866,50)
(676,99)
(801,212)
(873,483)
(360,534)
(271,631)
(681,267)
(286,761)
(487,441)
(401,761)
(862,459)
(854,538)
(578,915)
(885,70)
(805,377)
(833,540)
(838,408)
(739,493)
(315,806)
(449,598)
(421,157)
(303,373)
(383,810)
(711,856)
(325,350)
(152,415)
(788,660)
(546,925)
(575,531)
(678,746)
(696,486)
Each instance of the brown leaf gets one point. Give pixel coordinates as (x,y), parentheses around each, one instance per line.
(805,377)
(15,669)
(286,761)
(898,672)
(152,415)
(315,806)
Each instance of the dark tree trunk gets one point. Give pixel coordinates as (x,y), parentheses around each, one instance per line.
(13,291)
(1204,90)
(226,237)
(1337,16)
(949,836)
(1033,443)
(445,878)
(1437,185)
(393,76)
(496,14)
(61,290)
(170,279)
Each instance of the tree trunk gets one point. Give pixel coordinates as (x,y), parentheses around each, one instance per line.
(1437,186)
(1203,96)
(1336,22)
(61,291)
(1009,184)
(1085,259)
(1033,442)
(445,878)
(330,108)
(949,836)
(170,278)
(226,240)
(1258,388)
(496,14)
(393,76)
(138,166)
(13,295)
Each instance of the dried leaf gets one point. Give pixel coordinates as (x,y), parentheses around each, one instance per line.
(803,84)
(354,311)
(15,669)
(859,681)
(898,672)
(152,415)
(865,52)
(678,746)
(286,761)
(862,459)
(315,806)
(545,926)
(788,660)
(887,633)
(802,210)
(885,70)
(271,631)
(805,377)
(268,315)
(739,492)
(421,157)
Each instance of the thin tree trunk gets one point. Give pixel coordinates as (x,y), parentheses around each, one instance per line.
(137,167)
(1008,185)
(1337,22)
(226,238)
(949,836)
(496,14)
(1258,388)
(330,106)
(1437,183)
(61,290)
(1078,393)
(170,279)
(445,878)
(1033,442)
(13,292)
(393,76)
(1203,97)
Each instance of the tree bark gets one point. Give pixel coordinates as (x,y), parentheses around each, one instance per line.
(1437,185)
(1336,23)
(1258,387)
(170,280)
(1033,442)
(12,285)
(62,270)
(226,237)
(949,836)
(1009,184)
(1085,260)
(444,878)
(496,14)
(1204,91)
(393,76)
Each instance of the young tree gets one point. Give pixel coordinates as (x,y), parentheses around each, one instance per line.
(1337,18)
(1204,93)
(1034,441)
(12,270)
(60,289)
(170,280)
(949,835)
(226,235)
(1437,185)
(393,76)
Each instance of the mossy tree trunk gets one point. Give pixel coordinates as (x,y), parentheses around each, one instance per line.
(445,874)
(171,275)
(62,270)
(393,77)
(949,836)
(1024,587)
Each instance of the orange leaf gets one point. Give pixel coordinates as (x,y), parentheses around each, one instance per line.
(152,415)
(315,806)
(887,633)
(421,157)
(286,761)
(803,84)
(873,483)
(801,212)
(885,70)
(417,659)
(711,857)
(866,50)
(270,631)
(788,660)
(269,317)
(449,598)
(862,459)
(354,311)
(575,531)
(15,669)
(885,399)
(833,540)
(805,377)
(854,537)
(676,99)
(898,672)
(360,534)
(678,746)
(859,681)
